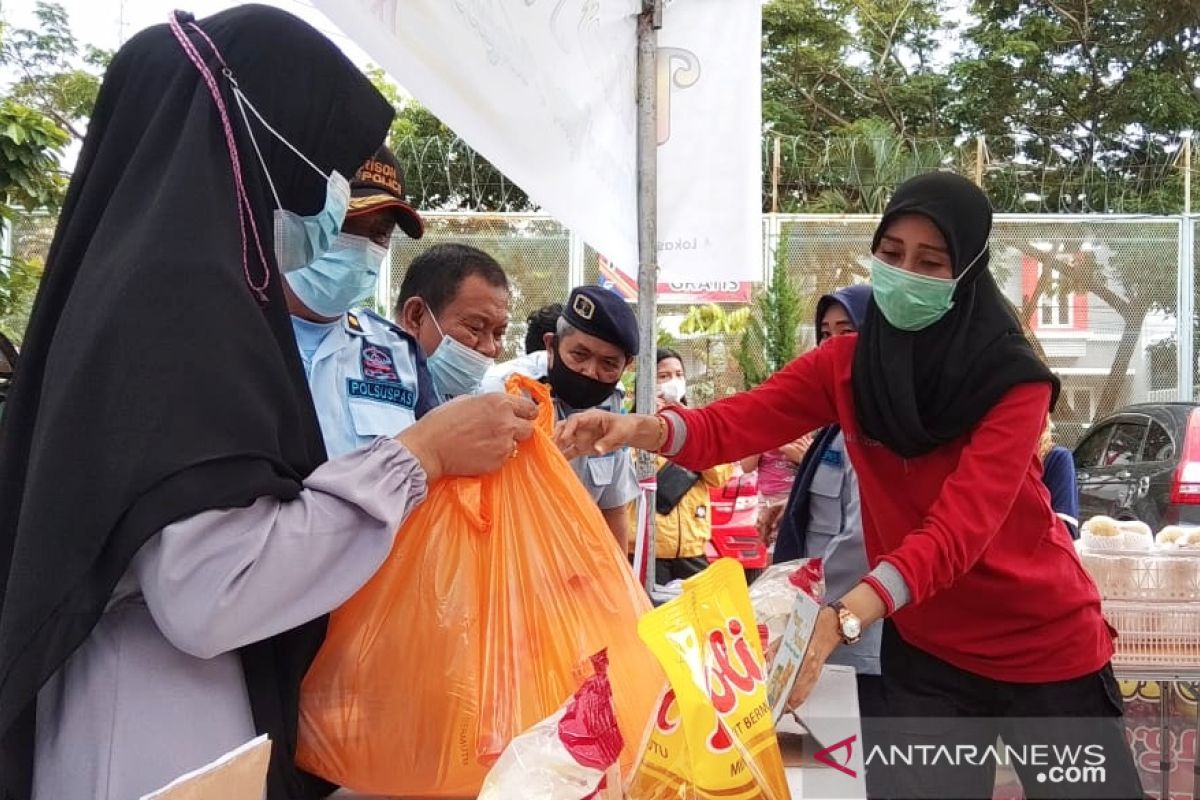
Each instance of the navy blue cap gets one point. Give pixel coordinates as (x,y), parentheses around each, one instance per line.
(604,314)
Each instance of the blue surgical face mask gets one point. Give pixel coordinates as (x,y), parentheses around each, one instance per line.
(455,368)
(300,241)
(342,278)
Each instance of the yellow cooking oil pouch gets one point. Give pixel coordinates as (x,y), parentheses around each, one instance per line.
(717,739)
(664,771)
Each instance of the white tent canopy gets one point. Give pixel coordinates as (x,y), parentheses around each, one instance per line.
(546,92)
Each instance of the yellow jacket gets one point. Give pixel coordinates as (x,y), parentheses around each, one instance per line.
(684,532)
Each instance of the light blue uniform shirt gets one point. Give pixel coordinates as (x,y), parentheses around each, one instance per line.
(835,535)
(364,375)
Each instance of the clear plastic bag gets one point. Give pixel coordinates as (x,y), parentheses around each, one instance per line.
(773,594)
(566,755)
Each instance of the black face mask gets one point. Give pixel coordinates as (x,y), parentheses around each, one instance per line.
(576,390)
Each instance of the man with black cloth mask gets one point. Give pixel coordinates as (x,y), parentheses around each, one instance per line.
(172,533)
(596,340)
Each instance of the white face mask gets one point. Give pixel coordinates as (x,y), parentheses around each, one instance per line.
(672,391)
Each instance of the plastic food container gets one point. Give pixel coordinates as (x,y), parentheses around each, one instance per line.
(1163,576)
(1155,634)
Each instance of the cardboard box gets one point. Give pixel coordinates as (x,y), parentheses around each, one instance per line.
(240,774)
(823,750)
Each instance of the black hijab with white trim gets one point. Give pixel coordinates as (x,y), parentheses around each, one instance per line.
(915,391)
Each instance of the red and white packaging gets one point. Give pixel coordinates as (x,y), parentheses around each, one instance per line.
(787,598)
(566,755)
(810,579)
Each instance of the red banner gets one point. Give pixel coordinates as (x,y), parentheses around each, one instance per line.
(676,293)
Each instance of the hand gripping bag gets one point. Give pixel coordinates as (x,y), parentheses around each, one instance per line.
(479,623)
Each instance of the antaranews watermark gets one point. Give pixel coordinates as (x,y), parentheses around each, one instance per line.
(960,757)
(1074,775)
(1074,764)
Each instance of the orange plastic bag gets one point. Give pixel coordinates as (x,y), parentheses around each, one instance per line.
(478,626)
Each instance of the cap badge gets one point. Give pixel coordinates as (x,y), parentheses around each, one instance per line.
(584,307)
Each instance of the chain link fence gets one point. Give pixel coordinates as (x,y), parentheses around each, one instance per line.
(533,249)
(1099,293)
(1029,172)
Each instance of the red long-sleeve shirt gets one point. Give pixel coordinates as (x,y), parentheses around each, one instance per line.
(996,585)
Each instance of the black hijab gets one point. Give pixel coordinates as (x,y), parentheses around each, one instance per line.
(916,391)
(154,384)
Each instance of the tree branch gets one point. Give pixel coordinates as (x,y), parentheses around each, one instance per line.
(36,85)
(890,38)
(1081,28)
(897,118)
(1082,281)
(849,86)
(819,106)
(63,122)
(1031,303)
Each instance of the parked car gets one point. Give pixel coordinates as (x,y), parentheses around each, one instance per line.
(8,364)
(734,518)
(1142,462)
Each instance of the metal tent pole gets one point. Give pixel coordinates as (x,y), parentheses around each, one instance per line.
(649,21)
(1186,300)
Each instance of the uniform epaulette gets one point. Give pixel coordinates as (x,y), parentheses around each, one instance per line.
(387,323)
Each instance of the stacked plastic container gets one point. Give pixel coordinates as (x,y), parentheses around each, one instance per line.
(1151,589)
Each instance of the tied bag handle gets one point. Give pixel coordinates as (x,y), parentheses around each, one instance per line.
(539,393)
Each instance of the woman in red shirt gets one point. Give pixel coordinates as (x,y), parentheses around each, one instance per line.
(989,616)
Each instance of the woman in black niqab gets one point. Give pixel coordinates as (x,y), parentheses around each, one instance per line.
(155,383)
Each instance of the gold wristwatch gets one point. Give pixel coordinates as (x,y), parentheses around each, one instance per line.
(849,625)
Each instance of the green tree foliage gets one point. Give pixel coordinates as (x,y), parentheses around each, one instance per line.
(711,319)
(1081,68)
(1101,90)
(830,63)
(55,74)
(31,145)
(1102,87)
(54,89)
(19,279)
(1081,102)
(440,171)
(770,339)
(710,335)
